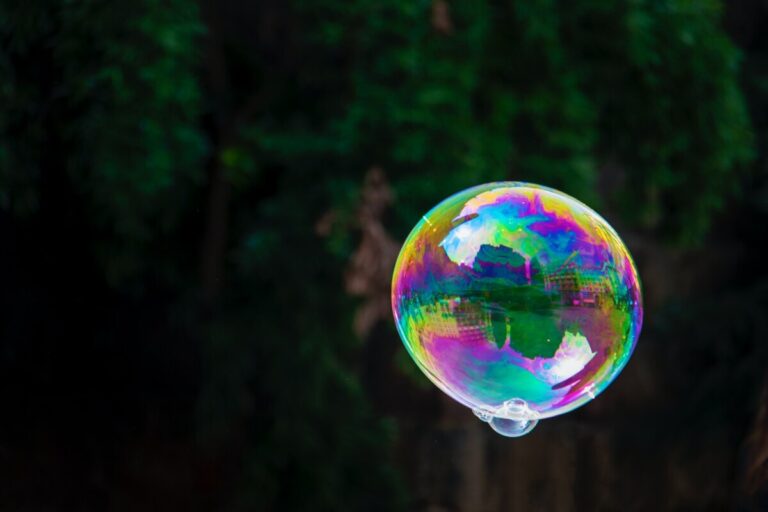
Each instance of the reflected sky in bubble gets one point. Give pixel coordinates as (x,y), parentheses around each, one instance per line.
(515,291)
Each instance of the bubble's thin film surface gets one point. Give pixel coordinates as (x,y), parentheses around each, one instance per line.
(512,428)
(512,419)
(512,290)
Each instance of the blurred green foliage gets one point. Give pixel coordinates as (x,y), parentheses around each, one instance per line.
(110,94)
(120,103)
(544,92)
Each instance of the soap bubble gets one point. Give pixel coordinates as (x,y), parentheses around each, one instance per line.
(511,428)
(513,419)
(518,301)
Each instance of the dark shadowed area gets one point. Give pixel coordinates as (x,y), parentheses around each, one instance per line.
(201,204)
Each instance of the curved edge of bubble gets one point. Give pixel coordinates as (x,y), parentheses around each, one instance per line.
(514,184)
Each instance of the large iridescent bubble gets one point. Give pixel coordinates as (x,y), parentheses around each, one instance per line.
(518,301)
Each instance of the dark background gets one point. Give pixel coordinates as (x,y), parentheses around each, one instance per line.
(200,206)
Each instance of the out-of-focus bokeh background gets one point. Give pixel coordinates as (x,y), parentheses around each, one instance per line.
(200,207)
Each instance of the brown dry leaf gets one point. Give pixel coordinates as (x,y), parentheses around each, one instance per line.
(324,224)
(441,17)
(370,269)
(756,477)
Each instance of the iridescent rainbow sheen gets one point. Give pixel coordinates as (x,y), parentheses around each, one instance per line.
(516,291)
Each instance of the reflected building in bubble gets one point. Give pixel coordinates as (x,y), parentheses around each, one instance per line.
(574,286)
